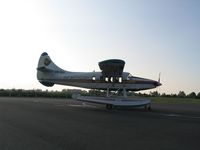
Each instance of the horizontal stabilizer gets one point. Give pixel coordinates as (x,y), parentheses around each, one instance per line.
(44,69)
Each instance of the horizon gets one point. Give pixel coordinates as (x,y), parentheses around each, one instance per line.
(84,89)
(150,36)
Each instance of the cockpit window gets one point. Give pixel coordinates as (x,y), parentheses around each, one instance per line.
(129,76)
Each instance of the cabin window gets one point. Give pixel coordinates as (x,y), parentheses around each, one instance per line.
(120,79)
(111,79)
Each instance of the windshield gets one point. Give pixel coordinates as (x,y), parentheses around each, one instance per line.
(129,76)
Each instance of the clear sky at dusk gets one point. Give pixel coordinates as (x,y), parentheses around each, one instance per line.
(152,36)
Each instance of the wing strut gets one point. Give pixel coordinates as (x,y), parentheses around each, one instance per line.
(107,92)
(124,92)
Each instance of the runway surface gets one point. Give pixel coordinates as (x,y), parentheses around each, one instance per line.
(63,124)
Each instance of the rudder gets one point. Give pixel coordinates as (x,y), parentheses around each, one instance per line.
(46,68)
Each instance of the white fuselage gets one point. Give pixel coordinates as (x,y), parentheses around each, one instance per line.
(49,74)
(92,80)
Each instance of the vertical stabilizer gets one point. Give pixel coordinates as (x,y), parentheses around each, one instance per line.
(46,70)
(46,64)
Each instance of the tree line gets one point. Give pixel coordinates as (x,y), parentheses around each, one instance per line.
(34,93)
(181,94)
(67,93)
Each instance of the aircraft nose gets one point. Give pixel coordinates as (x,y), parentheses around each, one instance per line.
(157,83)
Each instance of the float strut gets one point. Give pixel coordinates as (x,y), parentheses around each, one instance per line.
(107,92)
(124,92)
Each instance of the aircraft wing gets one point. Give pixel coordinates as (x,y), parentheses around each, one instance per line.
(112,67)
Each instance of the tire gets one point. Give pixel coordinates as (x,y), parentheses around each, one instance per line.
(109,106)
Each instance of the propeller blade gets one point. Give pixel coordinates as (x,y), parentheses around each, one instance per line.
(159,77)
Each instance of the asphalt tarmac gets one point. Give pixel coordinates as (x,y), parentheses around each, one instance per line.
(63,124)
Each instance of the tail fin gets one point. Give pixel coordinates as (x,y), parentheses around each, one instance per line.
(45,64)
(46,68)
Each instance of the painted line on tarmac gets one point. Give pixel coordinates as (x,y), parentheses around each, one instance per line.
(82,105)
(60,105)
(181,116)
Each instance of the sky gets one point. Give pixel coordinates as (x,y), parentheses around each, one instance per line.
(152,36)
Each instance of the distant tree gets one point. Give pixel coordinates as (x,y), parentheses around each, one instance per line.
(142,94)
(139,94)
(4,92)
(198,95)
(154,94)
(163,95)
(192,95)
(173,95)
(181,94)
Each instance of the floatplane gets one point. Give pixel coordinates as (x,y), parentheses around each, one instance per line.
(110,78)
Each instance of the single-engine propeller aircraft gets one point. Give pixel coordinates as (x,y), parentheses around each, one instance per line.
(111,78)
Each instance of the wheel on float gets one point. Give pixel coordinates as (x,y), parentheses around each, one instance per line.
(109,106)
(147,107)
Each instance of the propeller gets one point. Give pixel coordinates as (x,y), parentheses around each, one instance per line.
(159,77)
(159,88)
